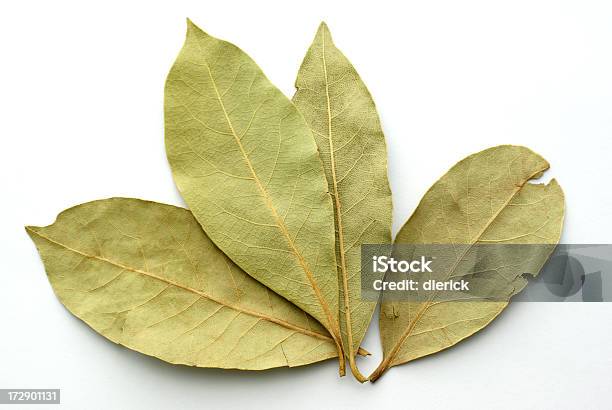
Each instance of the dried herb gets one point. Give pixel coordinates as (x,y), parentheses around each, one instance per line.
(145,276)
(485,198)
(264,269)
(343,118)
(247,165)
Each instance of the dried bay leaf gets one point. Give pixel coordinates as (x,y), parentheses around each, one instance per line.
(341,113)
(484,199)
(247,165)
(145,276)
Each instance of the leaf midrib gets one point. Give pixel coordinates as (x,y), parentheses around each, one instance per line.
(341,251)
(185,288)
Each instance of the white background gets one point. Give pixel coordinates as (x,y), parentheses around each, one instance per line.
(81,118)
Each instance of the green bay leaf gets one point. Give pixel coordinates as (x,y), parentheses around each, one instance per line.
(247,165)
(341,113)
(484,199)
(145,276)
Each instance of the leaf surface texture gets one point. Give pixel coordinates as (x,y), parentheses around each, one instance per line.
(247,165)
(145,276)
(485,198)
(341,113)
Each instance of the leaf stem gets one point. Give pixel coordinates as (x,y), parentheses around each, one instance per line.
(382,367)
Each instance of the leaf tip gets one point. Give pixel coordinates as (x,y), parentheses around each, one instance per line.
(31,230)
(192,28)
(324,30)
(190,23)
